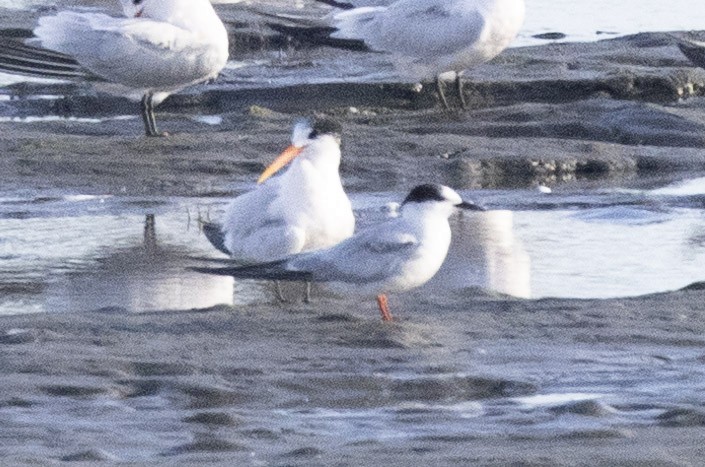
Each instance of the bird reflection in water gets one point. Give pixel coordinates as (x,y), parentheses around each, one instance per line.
(147,276)
(485,253)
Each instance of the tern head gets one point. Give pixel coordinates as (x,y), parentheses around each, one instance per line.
(172,11)
(310,138)
(133,8)
(432,196)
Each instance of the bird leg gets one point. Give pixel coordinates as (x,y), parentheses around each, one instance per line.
(384,307)
(461,95)
(147,110)
(439,86)
(307,292)
(278,292)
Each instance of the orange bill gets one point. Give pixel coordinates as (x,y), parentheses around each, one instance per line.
(284,158)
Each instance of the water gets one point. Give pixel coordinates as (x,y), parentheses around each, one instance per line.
(599,19)
(588,244)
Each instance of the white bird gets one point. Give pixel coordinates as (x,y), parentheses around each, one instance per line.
(399,254)
(159,47)
(425,38)
(303,209)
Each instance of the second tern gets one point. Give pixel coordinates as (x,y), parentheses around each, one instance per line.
(425,38)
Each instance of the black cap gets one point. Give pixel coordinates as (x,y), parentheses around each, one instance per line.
(425,192)
(325,126)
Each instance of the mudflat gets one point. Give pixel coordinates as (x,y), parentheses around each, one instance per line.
(461,378)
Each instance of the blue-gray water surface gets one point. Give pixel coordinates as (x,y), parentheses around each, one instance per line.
(67,252)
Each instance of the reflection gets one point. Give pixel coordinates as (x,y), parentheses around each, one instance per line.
(144,277)
(690,187)
(484,252)
(697,238)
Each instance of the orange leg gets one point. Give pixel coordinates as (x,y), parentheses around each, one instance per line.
(384,307)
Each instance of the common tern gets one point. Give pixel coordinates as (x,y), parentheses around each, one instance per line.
(159,47)
(396,255)
(303,209)
(425,38)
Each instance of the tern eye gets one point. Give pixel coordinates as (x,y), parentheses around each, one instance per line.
(313,135)
(137,2)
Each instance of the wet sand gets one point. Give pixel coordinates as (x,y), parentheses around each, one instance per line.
(271,385)
(328,383)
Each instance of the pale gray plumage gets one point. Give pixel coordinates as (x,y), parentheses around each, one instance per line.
(161,46)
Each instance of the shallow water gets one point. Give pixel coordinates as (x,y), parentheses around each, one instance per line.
(579,20)
(66,252)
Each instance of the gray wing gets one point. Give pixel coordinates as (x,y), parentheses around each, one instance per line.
(412,27)
(254,227)
(122,49)
(369,256)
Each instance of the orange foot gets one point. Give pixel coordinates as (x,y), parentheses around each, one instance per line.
(384,307)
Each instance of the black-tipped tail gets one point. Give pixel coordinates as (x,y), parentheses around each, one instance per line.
(22,59)
(268,271)
(214,233)
(318,36)
(336,4)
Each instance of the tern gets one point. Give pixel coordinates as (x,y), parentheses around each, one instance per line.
(425,38)
(159,47)
(303,209)
(396,255)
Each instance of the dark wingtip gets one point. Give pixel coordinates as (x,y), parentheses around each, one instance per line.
(337,4)
(470,206)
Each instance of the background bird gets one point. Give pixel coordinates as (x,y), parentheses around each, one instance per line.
(425,38)
(397,255)
(159,47)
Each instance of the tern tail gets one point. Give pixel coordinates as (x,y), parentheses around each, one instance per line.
(19,58)
(318,35)
(267,271)
(214,233)
(336,4)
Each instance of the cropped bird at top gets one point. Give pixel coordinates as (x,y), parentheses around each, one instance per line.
(425,38)
(396,255)
(159,47)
